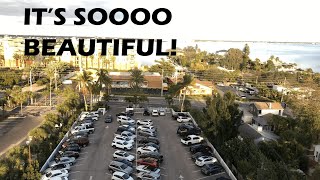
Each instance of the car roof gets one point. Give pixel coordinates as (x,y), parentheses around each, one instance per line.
(116,163)
(119,173)
(120,152)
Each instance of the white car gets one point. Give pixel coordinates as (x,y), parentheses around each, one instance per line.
(155,112)
(143,127)
(123,155)
(145,122)
(162,112)
(121,176)
(63,160)
(191,139)
(122,138)
(150,175)
(128,134)
(55,173)
(122,145)
(146,169)
(131,128)
(183,119)
(202,160)
(146,149)
(125,120)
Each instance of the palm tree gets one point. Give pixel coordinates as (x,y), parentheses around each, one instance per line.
(18,96)
(136,80)
(16,57)
(50,72)
(84,79)
(104,79)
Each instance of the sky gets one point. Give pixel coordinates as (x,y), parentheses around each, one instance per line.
(245,20)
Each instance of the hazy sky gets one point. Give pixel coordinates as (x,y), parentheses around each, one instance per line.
(248,20)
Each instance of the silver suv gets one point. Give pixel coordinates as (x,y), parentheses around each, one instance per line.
(119,166)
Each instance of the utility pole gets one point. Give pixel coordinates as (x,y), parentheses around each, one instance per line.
(162,83)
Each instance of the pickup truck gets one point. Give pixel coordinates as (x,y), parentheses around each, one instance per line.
(85,129)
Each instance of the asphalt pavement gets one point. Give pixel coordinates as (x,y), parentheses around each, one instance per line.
(95,158)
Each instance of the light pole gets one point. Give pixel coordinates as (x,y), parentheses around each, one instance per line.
(28,144)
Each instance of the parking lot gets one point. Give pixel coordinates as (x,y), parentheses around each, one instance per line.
(95,158)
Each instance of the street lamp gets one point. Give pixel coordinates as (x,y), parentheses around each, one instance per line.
(28,144)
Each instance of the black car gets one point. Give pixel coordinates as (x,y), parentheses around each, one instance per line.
(175,116)
(146,140)
(108,119)
(185,130)
(121,129)
(80,133)
(70,154)
(155,155)
(211,169)
(146,112)
(200,148)
(73,148)
(199,154)
(130,113)
(124,161)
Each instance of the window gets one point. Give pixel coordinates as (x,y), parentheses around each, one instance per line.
(259,111)
(279,112)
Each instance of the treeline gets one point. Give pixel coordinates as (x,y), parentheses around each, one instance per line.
(15,163)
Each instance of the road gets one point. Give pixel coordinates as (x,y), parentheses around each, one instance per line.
(95,158)
(13,131)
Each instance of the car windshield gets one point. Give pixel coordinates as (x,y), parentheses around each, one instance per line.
(123,166)
(125,143)
(126,176)
(125,154)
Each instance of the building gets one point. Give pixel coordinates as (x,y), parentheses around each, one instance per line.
(198,87)
(120,81)
(263,108)
(263,122)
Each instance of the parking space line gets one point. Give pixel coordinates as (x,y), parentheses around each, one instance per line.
(74,172)
(77,165)
(197,170)
(90,178)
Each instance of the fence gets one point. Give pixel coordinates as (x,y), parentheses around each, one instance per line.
(56,150)
(215,152)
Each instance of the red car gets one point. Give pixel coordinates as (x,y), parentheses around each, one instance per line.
(148,162)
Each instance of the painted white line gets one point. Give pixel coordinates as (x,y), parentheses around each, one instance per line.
(74,172)
(90,178)
(77,165)
(197,170)
(163,175)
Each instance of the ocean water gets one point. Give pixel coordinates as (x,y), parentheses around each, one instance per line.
(306,55)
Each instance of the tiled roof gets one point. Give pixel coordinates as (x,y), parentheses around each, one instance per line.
(266,105)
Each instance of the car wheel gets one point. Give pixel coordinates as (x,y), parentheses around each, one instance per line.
(139,152)
(113,146)
(189,143)
(71,164)
(111,171)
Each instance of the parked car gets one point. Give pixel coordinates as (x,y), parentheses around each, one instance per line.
(122,129)
(183,119)
(122,138)
(192,139)
(82,129)
(202,160)
(72,148)
(147,133)
(146,149)
(130,113)
(185,130)
(146,112)
(125,120)
(155,155)
(145,140)
(199,154)
(121,176)
(122,145)
(108,119)
(176,115)
(148,161)
(82,134)
(155,112)
(151,144)
(200,148)
(211,169)
(147,176)
(128,134)
(128,126)
(145,122)
(123,155)
(119,166)
(162,112)
(142,127)
(55,173)
(58,167)
(147,169)
(62,160)
(125,161)
(81,141)
(69,154)
(122,114)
